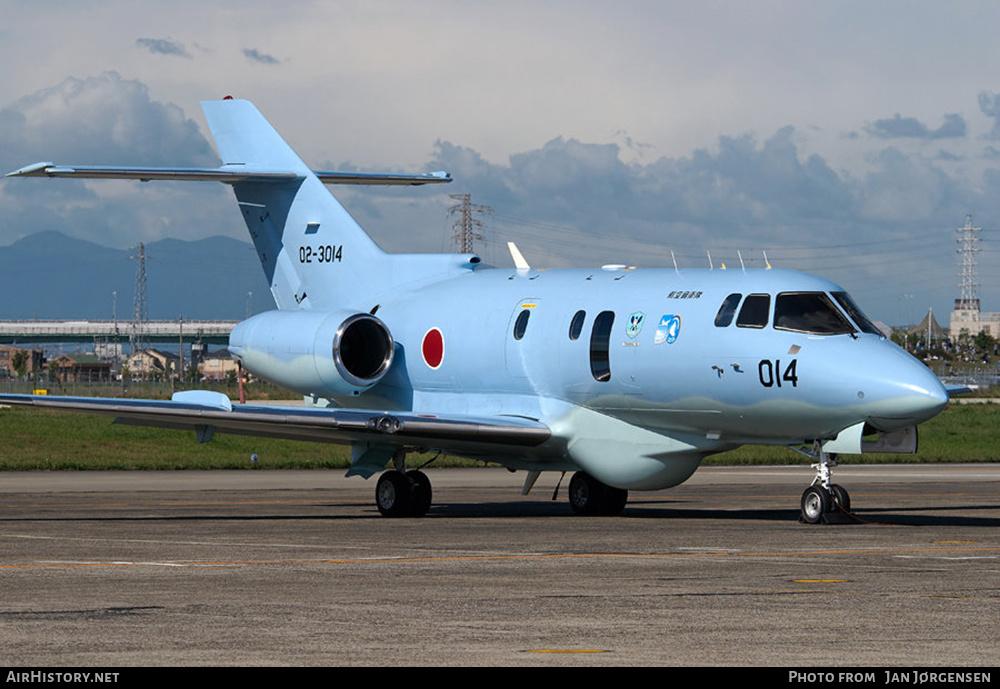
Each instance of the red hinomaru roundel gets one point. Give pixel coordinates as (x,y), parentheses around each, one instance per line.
(432,348)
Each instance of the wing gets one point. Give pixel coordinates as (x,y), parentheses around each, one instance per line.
(230,174)
(206,412)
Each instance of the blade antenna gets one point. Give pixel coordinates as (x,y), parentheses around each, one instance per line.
(520,264)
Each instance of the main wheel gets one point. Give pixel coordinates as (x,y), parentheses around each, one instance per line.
(840,497)
(815,503)
(586,494)
(394,494)
(614,501)
(420,500)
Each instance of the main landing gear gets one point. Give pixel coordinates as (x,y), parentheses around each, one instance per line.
(588,496)
(401,493)
(824,501)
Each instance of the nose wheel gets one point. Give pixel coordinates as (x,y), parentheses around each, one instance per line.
(815,504)
(841,498)
(824,501)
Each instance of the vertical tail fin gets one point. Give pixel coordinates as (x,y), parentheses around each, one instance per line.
(313,252)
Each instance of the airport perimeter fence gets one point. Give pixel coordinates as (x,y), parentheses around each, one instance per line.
(983,383)
(258,390)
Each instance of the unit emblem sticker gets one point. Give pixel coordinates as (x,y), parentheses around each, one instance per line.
(668,329)
(635,322)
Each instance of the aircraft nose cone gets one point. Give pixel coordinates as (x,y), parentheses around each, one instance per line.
(924,400)
(907,393)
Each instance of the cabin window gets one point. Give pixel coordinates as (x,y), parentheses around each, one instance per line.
(576,325)
(756,311)
(521,324)
(809,312)
(856,314)
(600,343)
(727,310)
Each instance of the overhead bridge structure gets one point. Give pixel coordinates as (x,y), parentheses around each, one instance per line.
(31,331)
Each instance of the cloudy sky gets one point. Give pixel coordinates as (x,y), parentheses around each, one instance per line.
(848,139)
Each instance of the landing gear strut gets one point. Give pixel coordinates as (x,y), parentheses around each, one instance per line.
(401,493)
(588,496)
(823,499)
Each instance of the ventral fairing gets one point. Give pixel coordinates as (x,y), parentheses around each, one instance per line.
(627,378)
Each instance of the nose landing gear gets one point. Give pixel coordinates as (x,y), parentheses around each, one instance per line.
(824,502)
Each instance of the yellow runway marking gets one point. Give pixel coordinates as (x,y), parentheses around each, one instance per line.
(955,542)
(819,581)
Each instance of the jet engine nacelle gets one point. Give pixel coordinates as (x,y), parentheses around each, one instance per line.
(322,353)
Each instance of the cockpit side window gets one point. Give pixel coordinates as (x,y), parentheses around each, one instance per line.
(756,311)
(727,310)
(809,312)
(859,318)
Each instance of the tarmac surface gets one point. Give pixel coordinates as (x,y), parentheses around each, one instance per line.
(119,569)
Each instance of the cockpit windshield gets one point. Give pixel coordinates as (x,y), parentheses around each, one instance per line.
(809,312)
(846,303)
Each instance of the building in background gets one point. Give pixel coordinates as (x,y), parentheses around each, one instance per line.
(18,362)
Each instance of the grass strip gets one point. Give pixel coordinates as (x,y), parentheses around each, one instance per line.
(37,439)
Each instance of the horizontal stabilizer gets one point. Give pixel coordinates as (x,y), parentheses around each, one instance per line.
(229,174)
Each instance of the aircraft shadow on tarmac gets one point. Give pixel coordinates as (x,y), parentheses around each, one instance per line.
(892,516)
(877,516)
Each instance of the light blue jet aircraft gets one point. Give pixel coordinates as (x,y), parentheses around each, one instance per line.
(628,378)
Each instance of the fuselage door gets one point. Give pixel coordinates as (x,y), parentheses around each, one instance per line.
(520,335)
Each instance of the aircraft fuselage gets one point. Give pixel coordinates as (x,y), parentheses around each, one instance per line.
(641,348)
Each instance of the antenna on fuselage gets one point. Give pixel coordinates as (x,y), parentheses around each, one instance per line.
(767,264)
(710,266)
(520,264)
(674,259)
(742,267)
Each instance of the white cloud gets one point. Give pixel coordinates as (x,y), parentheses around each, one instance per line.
(103,120)
(100,120)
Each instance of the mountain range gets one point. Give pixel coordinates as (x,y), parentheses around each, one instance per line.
(48,275)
